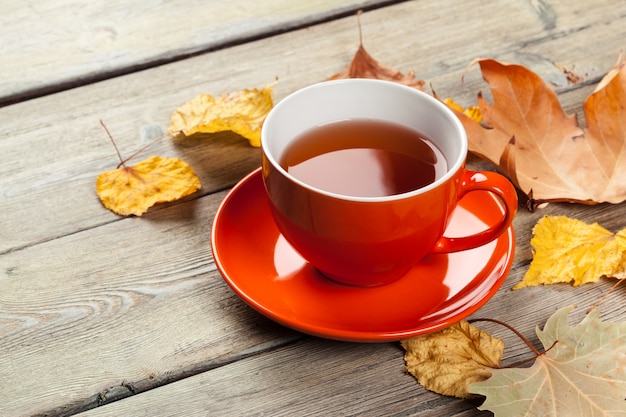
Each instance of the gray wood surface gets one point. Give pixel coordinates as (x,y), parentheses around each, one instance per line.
(49,46)
(129,316)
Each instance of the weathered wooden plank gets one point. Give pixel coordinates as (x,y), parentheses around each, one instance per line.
(88,305)
(121,307)
(49,46)
(316,377)
(313,378)
(68,148)
(203,394)
(135,303)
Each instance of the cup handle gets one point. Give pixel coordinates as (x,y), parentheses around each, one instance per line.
(482,181)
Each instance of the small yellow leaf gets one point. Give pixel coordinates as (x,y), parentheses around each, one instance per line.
(473,112)
(448,361)
(133,190)
(242,112)
(568,250)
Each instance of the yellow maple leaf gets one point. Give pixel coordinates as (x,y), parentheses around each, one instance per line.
(569,250)
(133,190)
(473,112)
(450,360)
(242,112)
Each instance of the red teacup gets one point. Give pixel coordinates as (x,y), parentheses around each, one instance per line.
(363,239)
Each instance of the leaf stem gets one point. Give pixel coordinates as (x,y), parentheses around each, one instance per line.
(153,141)
(524,362)
(597,303)
(358,20)
(511,328)
(119,155)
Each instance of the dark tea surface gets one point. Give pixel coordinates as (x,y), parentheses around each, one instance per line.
(364,158)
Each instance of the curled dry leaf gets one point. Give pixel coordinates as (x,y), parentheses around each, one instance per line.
(133,190)
(242,112)
(581,374)
(544,151)
(448,361)
(568,250)
(363,65)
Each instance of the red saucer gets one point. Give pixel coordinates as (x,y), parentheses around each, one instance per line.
(268,274)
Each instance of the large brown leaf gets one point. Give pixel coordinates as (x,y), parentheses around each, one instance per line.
(544,151)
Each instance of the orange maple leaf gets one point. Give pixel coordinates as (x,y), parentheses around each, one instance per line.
(363,65)
(544,151)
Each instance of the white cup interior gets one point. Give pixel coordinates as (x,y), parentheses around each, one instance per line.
(347,99)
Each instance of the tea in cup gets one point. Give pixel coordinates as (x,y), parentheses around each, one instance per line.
(362,177)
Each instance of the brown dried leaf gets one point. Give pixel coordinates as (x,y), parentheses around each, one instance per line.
(363,65)
(552,157)
(448,361)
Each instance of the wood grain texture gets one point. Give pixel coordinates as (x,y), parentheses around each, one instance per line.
(53,45)
(136,302)
(73,148)
(95,308)
(313,378)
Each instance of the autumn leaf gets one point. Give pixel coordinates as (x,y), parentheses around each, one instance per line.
(133,190)
(448,361)
(241,112)
(473,112)
(363,65)
(544,151)
(569,250)
(583,373)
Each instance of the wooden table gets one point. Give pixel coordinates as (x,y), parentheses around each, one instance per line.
(102,315)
